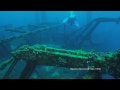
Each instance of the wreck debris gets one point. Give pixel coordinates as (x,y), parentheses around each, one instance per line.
(105,63)
(4,63)
(27,33)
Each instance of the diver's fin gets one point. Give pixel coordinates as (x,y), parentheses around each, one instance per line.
(65,20)
(76,23)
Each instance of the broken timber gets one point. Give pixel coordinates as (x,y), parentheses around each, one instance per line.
(43,55)
(27,33)
(90,28)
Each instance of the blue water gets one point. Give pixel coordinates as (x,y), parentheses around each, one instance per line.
(108,33)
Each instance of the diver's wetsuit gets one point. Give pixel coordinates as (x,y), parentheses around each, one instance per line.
(71,21)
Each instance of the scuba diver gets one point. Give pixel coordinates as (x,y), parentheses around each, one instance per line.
(71,20)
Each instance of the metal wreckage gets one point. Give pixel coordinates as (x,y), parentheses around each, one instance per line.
(97,63)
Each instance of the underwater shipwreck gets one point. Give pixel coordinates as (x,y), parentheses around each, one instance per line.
(29,48)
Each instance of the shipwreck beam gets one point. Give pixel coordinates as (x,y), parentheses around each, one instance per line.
(28,33)
(99,63)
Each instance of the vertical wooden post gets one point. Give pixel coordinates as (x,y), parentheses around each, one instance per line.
(28,70)
(10,68)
